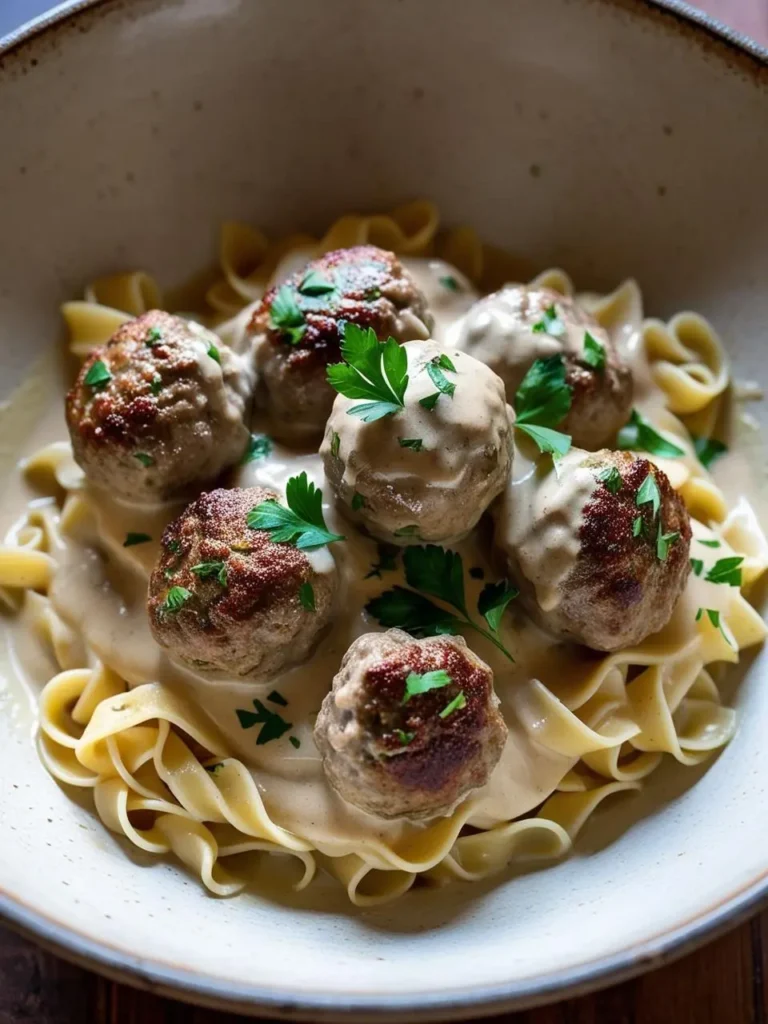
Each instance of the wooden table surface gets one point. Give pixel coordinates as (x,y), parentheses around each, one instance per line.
(723,983)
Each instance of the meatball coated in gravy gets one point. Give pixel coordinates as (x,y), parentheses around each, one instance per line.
(512,328)
(395,747)
(601,551)
(429,472)
(159,409)
(225,598)
(298,329)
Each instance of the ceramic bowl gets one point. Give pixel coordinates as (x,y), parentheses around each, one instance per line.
(612,138)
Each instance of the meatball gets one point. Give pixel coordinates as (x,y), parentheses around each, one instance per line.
(429,472)
(226,598)
(159,409)
(298,328)
(599,548)
(396,748)
(512,328)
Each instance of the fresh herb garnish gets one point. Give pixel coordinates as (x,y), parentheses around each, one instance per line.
(714,617)
(639,435)
(154,335)
(417,683)
(294,741)
(697,565)
(648,493)
(710,543)
(430,401)
(335,444)
(286,315)
(175,600)
(387,562)
(437,572)
(435,371)
(358,501)
(726,570)
(156,385)
(407,531)
(174,546)
(542,401)
(307,597)
(611,479)
(144,459)
(414,443)
(301,523)
(637,526)
(458,702)
(214,353)
(259,447)
(708,449)
(132,539)
(371,370)
(211,571)
(372,294)
(275,697)
(664,542)
(449,282)
(273,725)
(444,362)
(594,353)
(550,442)
(493,601)
(315,284)
(405,737)
(98,376)
(550,323)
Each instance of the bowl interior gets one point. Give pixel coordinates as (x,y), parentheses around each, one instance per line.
(604,137)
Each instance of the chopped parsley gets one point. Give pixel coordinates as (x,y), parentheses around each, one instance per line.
(714,617)
(639,435)
(549,442)
(98,376)
(405,737)
(710,543)
(387,554)
(315,284)
(259,447)
(407,531)
(727,571)
(286,315)
(307,597)
(697,565)
(449,282)
(550,323)
(301,523)
(435,371)
(174,546)
(372,294)
(175,600)
(594,353)
(664,542)
(611,479)
(444,362)
(335,444)
(358,501)
(211,571)
(214,353)
(458,702)
(154,335)
(648,493)
(132,539)
(277,698)
(708,449)
(414,443)
(542,401)
(156,385)
(493,601)
(371,370)
(417,683)
(294,741)
(430,401)
(637,526)
(144,459)
(273,725)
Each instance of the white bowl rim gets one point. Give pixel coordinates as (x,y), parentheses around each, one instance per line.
(453,1004)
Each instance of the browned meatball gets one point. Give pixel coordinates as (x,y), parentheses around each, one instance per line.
(512,328)
(298,328)
(225,598)
(159,409)
(417,756)
(600,549)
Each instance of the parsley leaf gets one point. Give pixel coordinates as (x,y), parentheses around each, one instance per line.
(438,378)
(637,526)
(449,282)
(550,323)
(405,737)
(445,363)
(211,571)
(415,443)
(294,741)
(301,523)
(438,572)
(697,565)
(726,570)
(175,600)
(156,385)
(273,725)
(458,702)
(131,539)
(544,397)
(611,479)
(594,353)
(371,370)
(641,436)
(259,447)
(708,449)
(714,617)
(400,608)
(358,501)
(429,402)
(144,459)
(315,284)
(307,597)
(174,546)
(551,442)
(286,315)
(277,698)
(664,542)
(154,335)
(710,543)
(416,683)
(648,492)
(387,554)
(98,376)
(493,602)
(214,353)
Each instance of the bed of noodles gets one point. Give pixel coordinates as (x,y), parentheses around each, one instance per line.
(142,750)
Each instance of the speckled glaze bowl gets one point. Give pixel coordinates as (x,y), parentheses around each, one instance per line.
(612,137)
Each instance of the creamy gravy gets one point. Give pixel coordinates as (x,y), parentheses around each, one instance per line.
(100,590)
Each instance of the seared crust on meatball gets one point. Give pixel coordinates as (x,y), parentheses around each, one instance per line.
(414,758)
(159,409)
(510,329)
(623,552)
(298,327)
(225,598)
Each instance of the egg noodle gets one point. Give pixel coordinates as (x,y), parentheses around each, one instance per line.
(165,773)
